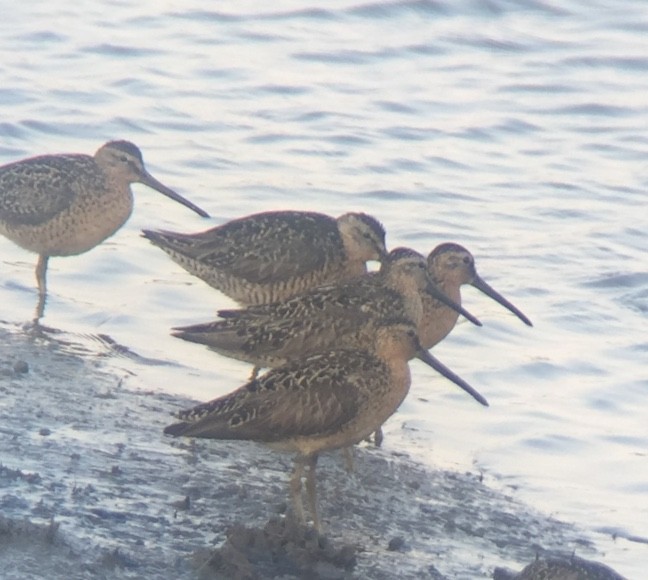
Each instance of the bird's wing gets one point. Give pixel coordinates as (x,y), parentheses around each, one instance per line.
(268,247)
(34,192)
(296,400)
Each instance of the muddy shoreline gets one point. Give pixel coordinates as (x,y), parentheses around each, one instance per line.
(91,488)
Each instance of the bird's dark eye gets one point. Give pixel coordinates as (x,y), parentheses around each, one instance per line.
(467,260)
(367,236)
(411,333)
(123,158)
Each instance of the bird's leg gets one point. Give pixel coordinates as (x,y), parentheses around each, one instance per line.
(311,489)
(41,280)
(255,373)
(378,437)
(295,489)
(348,458)
(41,271)
(40,309)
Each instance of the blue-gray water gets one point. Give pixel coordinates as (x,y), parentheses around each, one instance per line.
(516,128)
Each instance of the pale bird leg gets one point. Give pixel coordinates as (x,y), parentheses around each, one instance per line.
(378,437)
(41,280)
(348,459)
(41,272)
(295,490)
(311,489)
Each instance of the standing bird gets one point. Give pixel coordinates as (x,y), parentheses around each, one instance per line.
(333,316)
(64,205)
(271,256)
(450,266)
(322,402)
(560,567)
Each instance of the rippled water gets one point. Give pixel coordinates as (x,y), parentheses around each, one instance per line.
(519,129)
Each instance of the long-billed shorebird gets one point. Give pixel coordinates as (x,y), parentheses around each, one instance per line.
(322,402)
(334,316)
(450,266)
(274,255)
(338,315)
(64,205)
(560,568)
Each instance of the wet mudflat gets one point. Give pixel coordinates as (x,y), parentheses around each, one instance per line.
(90,488)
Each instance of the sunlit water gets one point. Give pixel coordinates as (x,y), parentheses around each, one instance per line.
(517,128)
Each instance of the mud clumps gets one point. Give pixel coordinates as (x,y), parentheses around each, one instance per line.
(6,473)
(23,530)
(281,549)
(36,550)
(77,451)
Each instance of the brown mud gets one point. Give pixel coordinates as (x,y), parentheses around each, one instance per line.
(91,488)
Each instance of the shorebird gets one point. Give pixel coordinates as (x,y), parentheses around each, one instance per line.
(560,568)
(322,402)
(450,266)
(271,256)
(334,316)
(64,205)
(340,315)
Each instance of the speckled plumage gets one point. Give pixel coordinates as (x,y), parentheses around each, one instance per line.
(561,568)
(324,401)
(342,315)
(63,205)
(272,256)
(450,266)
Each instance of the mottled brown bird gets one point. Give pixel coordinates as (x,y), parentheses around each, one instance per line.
(560,568)
(63,205)
(339,315)
(335,316)
(272,256)
(450,266)
(322,402)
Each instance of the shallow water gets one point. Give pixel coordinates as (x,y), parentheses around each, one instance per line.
(518,129)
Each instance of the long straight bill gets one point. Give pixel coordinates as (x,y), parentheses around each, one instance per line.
(495,295)
(147,179)
(433,291)
(438,366)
